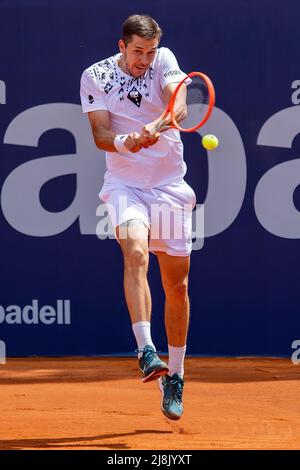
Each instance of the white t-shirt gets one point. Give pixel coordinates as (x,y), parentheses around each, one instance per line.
(132,103)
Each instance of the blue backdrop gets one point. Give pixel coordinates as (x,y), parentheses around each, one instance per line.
(61,287)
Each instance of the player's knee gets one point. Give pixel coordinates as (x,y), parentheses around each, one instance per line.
(136,259)
(177,291)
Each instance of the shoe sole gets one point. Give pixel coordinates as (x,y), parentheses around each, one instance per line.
(155,374)
(174,418)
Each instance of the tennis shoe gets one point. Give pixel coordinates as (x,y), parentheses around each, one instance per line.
(172,390)
(150,365)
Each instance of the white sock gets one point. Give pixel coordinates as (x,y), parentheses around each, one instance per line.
(176,360)
(141,330)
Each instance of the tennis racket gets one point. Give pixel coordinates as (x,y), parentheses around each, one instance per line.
(200,101)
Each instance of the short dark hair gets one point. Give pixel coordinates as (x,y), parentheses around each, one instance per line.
(141,25)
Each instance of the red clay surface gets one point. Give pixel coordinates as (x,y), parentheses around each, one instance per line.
(101,403)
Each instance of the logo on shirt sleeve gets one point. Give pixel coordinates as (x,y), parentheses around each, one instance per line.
(172,73)
(135,97)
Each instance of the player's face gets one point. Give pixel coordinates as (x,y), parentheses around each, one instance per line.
(138,54)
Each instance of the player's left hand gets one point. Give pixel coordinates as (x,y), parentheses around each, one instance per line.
(149,136)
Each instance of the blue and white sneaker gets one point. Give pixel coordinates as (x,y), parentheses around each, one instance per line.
(172,390)
(150,365)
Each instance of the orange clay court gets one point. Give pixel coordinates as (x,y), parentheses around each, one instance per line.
(101,403)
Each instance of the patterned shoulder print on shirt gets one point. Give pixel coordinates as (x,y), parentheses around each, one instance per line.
(108,75)
(103,73)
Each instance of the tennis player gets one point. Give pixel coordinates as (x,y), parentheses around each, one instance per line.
(125,95)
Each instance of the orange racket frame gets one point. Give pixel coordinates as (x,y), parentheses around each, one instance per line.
(170,108)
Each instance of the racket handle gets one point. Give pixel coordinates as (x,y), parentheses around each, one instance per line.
(161,126)
(166,128)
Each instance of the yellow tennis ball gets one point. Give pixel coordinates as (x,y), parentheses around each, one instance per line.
(210,142)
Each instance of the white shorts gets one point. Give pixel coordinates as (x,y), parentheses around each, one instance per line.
(165,210)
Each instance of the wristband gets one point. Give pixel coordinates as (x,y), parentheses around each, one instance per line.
(119,142)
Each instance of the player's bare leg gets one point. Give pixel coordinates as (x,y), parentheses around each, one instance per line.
(174,273)
(133,238)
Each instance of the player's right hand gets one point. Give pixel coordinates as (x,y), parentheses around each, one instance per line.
(133,142)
